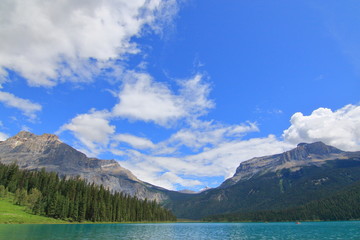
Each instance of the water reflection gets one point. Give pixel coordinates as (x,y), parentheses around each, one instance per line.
(181,231)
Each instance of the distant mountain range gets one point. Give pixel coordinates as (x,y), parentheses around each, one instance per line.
(287,180)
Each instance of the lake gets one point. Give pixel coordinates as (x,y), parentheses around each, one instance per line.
(183,231)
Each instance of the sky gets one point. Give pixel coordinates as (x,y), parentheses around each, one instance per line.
(180,92)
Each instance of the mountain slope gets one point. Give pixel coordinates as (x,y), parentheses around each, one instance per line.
(34,152)
(306,173)
(343,205)
(314,154)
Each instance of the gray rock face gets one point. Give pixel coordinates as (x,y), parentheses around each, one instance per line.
(34,152)
(303,155)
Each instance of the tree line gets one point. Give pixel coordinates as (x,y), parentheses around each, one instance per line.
(74,199)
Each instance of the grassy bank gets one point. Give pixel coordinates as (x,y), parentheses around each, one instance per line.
(15,214)
(10,213)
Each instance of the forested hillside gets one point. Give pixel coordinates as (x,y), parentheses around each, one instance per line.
(74,199)
(343,205)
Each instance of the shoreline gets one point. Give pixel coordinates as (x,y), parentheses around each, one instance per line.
(189,222)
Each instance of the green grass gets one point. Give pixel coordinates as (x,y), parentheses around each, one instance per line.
(15,214)
(10,213)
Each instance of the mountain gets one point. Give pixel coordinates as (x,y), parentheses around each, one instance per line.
(304,154)
(34,152)
(307,173)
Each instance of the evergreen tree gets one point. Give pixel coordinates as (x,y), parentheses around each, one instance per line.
(20,197)
(33,198)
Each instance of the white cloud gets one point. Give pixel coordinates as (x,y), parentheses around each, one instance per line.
(47,42)
(340,128)
(194,94)
(223,159)
(27,107)
(92,129)
(161,171)
(170,179)
(142,98)
(134,141)
(219,161)
(202,134)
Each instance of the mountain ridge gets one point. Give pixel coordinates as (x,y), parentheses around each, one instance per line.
(305,173)
(303,155)
(34,152)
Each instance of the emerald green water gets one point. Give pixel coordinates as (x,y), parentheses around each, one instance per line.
(183,231)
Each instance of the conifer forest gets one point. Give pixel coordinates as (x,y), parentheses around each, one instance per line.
(47,194)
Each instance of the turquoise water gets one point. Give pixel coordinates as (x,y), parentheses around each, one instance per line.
(183,231)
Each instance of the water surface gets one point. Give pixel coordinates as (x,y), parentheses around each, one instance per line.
(183,231)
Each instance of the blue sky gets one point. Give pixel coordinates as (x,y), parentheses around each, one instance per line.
(181,92)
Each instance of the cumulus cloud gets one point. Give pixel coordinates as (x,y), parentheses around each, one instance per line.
(340,128)
(47,42)
(142,98)
(92,129)
(27,107)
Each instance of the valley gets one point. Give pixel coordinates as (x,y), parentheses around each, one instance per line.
(310,172)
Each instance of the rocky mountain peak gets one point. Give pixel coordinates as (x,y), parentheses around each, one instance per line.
(304,154)
(318,148)
(305,151)
(28,142)
(24,135)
